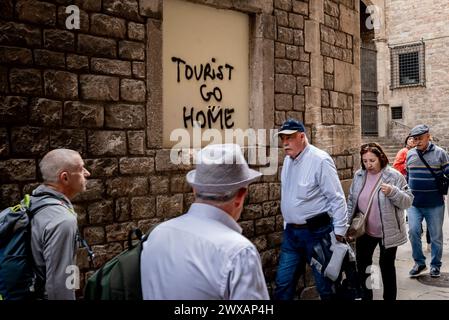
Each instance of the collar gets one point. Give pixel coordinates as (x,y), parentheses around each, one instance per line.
(203,210)
(301,154)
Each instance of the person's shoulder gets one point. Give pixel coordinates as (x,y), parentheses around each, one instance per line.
(318,153)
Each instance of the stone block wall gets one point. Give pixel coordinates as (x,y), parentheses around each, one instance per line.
(98,90)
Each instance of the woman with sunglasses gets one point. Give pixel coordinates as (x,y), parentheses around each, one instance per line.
(382,193)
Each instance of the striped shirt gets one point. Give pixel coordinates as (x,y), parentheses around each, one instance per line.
(310,186)
(420,179)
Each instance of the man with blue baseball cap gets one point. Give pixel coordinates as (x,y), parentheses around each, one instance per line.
(314,209)
(426,166)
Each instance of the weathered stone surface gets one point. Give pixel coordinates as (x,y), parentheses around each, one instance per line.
(107,143)
(9,195)
(281,18)
(283,102)
(283,4)
(251,212)
(13,109)
(3,79)
(338,114)
(103,167)
(136,165)
(132,90)
(100,212)
(345,75)
(61,84)
(331,8)
(292,52)
(274,191)
(271,208)
(138,70)
(274,240)
(299,103)
(14,55)
(283,66)
(102,88)
(94,191)
(136,31)
(76,62)
(122,210)
(29,140)
(89,5)
(104,25)
(109,66)
(86,115)
(279,118)
(328,81)
(261,243)
(179,184)
(143,207)
(163,162)
(258,192)
(301,68)
(325,98)
(96,46)
(123,8)
(264,225)
(94,235)
(17,170)
(48,58)
(36,12)
(131,50)
(74,139)
(327,116)
(19,34)
(81,215)
(6,9)
(136,142)
(45,112)
(285,83)
(247,228)
(169,206)
(59,40)
(4,142)
(279,50)
(331,22)
(348,117)
(150,8)
(159,184)
(301,7)
(285,35)
(124,116)
(298,37)
(26,81)
(127,186)
(300,83)
(295,21)
(118,231)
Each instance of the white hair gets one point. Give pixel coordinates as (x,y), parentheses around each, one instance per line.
(56,161)
(219,198)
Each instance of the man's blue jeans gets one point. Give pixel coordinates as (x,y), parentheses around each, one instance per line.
(299,246)
(434,217)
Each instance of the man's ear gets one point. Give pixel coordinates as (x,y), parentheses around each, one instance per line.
(64,177)
(240,197)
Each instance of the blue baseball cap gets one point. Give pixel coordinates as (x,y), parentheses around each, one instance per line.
(419,130)
(291,126)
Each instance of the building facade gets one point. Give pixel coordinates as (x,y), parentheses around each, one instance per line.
(98,89)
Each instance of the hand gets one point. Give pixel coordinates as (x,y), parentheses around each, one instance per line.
(340,238)
(386,188)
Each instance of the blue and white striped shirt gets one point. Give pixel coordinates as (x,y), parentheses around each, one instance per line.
(310,186)
(421,180)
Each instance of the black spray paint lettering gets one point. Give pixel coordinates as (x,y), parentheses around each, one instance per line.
(201,72)
(216,93)
(213,115)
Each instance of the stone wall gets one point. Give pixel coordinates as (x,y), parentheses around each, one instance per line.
(98,90)
(408,22)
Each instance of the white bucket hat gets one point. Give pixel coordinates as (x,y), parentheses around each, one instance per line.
(221,168)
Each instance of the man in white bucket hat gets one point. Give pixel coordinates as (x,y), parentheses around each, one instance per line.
(202,254)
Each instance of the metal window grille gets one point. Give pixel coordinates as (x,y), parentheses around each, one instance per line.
(407,65)
(396,113)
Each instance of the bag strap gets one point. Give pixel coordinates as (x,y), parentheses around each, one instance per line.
(427,165)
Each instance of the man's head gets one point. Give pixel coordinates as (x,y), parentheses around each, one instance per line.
(221,177)
(63,169)
(421,135)
(293,137)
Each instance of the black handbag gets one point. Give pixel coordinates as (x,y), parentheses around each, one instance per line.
(442,181)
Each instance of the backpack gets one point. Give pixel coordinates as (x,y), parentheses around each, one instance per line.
(16,260)
(119,278)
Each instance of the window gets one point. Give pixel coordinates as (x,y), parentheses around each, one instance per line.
(407,66)
(396,113)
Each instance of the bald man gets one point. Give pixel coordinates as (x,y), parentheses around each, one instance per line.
(54,228)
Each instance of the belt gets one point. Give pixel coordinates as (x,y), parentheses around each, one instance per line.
(297,226)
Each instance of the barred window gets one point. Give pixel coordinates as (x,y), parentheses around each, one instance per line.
(396,113)
(407,66)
